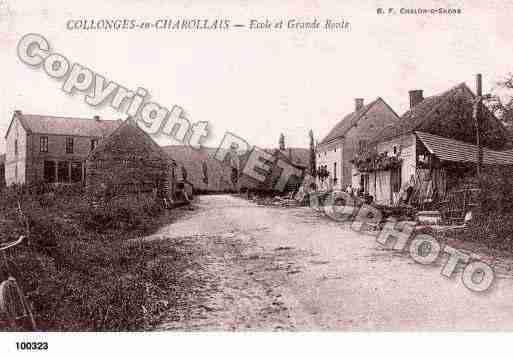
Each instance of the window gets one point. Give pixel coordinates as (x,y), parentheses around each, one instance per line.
(43,144)
(69,145)
(16,146)
(395,150)
(335,172)
(94,142)
(362,145)
(335,150)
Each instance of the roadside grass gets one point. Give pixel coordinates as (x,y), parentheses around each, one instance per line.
(80,270)
(495,230)
(493,224)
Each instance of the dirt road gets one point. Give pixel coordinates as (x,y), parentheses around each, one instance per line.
(291,268)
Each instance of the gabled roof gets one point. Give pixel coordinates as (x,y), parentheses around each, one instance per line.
(69,126)
(350,120)
(414,118)
(130,122)
(447,149)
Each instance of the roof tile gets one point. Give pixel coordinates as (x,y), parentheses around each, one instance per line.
(347,122)
(414,117)
(447,149)
(70,126)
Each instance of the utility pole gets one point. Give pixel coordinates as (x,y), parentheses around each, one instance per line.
(477,121)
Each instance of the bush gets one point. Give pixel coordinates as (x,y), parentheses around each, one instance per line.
(126,213)
(494,230)
(492,223)
(497,184)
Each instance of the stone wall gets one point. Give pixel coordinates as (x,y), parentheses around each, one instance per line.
(127,161)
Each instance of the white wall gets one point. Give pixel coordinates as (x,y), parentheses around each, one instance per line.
(380,187)
(15,164)
(328,155)
(407,146)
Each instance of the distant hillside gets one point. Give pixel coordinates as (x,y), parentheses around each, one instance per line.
(218,174)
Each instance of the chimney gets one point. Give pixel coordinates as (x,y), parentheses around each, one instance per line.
(479,85)
(358,104)
(416,97)
(96,118)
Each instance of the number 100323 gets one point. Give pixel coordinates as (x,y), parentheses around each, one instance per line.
(31,345)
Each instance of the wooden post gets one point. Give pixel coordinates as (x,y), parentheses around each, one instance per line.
(477,121)
(478,124)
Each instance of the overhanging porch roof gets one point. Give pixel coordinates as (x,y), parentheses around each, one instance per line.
(448,149)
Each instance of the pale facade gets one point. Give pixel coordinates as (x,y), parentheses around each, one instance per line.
(382,185)
(332,156)
(350,136)
(16,154)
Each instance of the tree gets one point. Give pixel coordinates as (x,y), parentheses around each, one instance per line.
(313,167)
(502,106)
(282,142)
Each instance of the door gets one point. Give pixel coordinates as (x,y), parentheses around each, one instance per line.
(49,171)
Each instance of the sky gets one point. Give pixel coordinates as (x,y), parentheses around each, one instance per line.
(257,83)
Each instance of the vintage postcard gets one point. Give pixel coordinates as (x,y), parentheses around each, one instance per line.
(254,166)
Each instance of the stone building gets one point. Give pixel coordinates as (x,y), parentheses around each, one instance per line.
(350,136)
(129,161)
(431,148)
(49,149)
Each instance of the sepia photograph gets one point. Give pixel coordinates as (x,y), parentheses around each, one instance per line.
(293,177)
